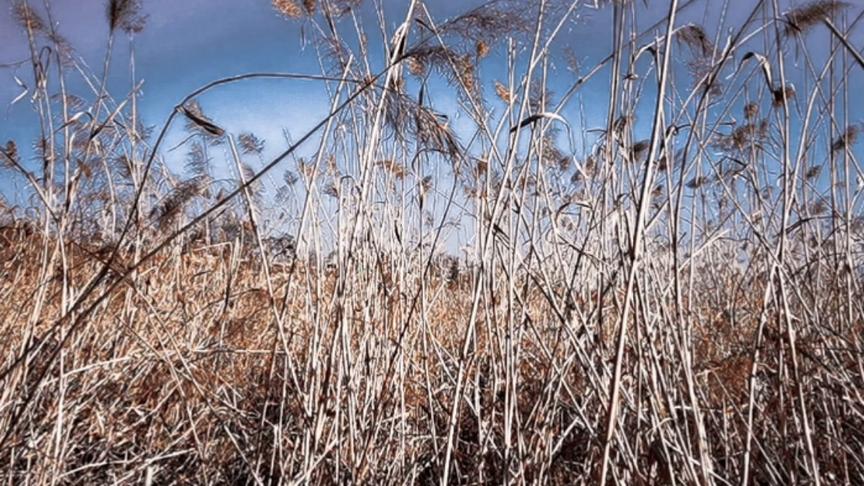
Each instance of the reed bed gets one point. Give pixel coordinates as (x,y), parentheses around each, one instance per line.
(665,293)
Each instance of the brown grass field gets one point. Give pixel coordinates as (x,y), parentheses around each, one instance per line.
(677,302)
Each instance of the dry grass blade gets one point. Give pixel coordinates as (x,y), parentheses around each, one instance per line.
(199,120)
(763,63)
(842,38)
(537,117)
(697,182)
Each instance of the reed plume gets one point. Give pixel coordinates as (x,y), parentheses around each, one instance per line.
(805,17)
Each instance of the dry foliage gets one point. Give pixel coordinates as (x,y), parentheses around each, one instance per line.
(522,300)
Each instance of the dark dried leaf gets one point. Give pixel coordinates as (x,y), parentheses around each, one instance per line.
(197,118)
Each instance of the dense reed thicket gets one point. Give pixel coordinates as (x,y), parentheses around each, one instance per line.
(674,299)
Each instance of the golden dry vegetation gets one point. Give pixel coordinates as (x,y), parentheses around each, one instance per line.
(681,306)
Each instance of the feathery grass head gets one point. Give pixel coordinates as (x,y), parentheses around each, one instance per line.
(481,49)
(639,150)
(781,95)
(173,204)
(125,15)
(338,8)
(744,137)
(10,155)
(392,167)
(250,144)
(289,177)
(490,22)
(433,132)
(751,111)
(801,19)
(288,9)
(847,139)
(255,188)
(27,17)
(310,6)
(818,207)
(694,37)
(457,69)
(503,93)
(426,184)
(696,182)
(197,161)
(701,50)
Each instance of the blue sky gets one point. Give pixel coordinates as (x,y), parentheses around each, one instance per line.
(187,43)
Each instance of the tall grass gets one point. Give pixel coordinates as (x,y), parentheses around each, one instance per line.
(681,304)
